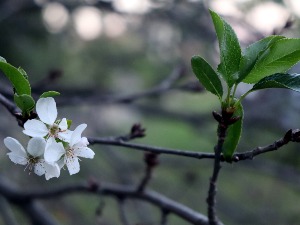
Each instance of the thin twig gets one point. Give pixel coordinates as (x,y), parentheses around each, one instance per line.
(6,212)
(212,191)
(164,86)
(37,213)
(33,210)
(290,136)
(119,141)
(159,150)
(151,161)
(164,217)
(224,120)
(122,213)
(11,107)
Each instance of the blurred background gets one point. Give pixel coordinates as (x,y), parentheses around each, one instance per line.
(98,53)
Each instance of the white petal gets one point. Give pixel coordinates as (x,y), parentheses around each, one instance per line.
(82,143)
(61,163)
(51,170)
(14,146)
(39,168)
(53,152)
(36,146)
(76,136)
(63,125)
(50,140)
(65,135)
(46,110)
(16,158)
(35,128)
(73,165)
(85,141)
(84,152)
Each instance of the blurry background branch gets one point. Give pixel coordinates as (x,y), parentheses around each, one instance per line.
(27,200)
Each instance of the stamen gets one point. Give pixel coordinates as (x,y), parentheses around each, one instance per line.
(53,130)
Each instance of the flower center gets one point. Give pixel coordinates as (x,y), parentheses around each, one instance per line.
(32,161)
(54,129)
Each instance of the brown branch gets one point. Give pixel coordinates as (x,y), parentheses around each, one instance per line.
(159,150)
(33,210)
(10,106)
(290,136)
(20,197)
(224,122)
(164,217)
(6,212)
(151,161)
(122,213)
(138,131)
(37,213)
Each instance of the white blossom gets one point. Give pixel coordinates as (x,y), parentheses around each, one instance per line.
(33,157)
(48,125)
(77,147)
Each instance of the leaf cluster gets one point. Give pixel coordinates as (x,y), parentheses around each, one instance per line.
(264,64)
(21,87)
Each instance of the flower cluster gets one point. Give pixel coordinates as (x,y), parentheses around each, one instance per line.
(52,144)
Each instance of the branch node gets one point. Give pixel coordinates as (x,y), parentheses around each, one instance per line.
(151,160)
(93,185)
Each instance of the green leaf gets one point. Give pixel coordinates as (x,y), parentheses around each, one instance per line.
(23,72)
(279,80)
(252,53)
(2,59)
(69,122)
(49,94)
(207,76)
(19,82)
(278,58)
(25,103)
(230,50)
(233,134)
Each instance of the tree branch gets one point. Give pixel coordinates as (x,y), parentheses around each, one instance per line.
(151,161)
(290,136)
(6,212)
(164,217)
(224,121)
(11,107)
(19,197)
(122,213)
(159,150)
